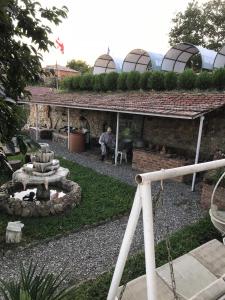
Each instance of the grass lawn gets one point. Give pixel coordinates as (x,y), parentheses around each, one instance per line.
(181,242)
(103,198)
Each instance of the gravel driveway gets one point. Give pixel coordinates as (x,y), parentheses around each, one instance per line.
(90,252)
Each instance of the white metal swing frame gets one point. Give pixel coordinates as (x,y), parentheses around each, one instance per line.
(143,201)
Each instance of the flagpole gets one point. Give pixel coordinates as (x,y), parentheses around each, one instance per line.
(57,75)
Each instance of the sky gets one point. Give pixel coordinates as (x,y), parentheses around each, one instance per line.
(122,25)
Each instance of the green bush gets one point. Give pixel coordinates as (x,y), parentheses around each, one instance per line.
(144,80)
(187,79)
(66,83)
(110,81)
(157,81)
(75,84)
(99,82)
(132,81)
(86,82)
(121,82)
(34,284)
(219,79)
(204,80)
(170,81)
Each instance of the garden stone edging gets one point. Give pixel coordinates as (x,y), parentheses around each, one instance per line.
(17,207)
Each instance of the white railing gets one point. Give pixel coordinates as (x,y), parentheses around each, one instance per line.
(143,200)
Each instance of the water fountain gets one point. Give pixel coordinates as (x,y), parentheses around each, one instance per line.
(40,188)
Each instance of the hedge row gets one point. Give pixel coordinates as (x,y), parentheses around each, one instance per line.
(152,80)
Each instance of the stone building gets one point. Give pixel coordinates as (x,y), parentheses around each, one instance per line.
(164,127)
(61,71)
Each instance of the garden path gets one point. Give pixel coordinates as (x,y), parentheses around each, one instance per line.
(89,252)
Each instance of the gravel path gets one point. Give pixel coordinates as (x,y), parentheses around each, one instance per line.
(90,252)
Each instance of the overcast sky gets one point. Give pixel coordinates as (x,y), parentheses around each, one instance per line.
(122,25)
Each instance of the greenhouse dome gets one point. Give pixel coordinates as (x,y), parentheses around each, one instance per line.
(105,64)
(177,57)
(141,61)
(220,59)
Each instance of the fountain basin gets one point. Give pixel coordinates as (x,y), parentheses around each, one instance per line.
(70,198)
(35,178)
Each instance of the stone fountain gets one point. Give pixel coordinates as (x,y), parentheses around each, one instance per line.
(40,188)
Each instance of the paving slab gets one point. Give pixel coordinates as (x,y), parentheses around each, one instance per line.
(212,256)
(136,289)
(214,291)
(190,275)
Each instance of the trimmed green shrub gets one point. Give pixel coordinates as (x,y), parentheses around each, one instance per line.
(132,81)
(170,81)
(187,79)
(66,83)
(110,81)
(99,82)
(75,84)
(144,80)
(121,82)
(86,82)
(204,80)
(156,81)
(219,79)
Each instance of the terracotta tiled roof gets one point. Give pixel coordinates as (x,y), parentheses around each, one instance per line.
(61,68)
(165,104)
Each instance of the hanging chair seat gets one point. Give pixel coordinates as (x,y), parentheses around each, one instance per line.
(217,212)
(218,220)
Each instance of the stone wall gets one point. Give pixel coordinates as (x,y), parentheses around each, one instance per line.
(56,117)
(146,161)
(182,134)
(177,134)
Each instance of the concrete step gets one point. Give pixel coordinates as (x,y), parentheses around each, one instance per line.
(212,256)
(199,275)
(136,289)
(190,275)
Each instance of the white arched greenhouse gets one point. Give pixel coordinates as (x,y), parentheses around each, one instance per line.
(141,61)
(220,59)
(177,57)
(105,63)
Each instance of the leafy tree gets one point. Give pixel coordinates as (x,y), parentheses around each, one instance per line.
(170,81)
(86,82)
(121,83)
(24,27)
(187,79)
(79,65)
(111,81)
(219,79)
(204,80)
(200,25)
(144,80)
(99,82)
(133,80)
(157,81)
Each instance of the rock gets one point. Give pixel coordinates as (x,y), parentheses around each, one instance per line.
(43,210)
(25,212)
(17,208)
(58,208)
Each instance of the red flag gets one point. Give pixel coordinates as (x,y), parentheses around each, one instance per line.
(60,45)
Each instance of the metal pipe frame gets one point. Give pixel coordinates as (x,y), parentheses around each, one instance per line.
(143,200)
(197,150)
(68,128)
(37,123)
(117,135)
